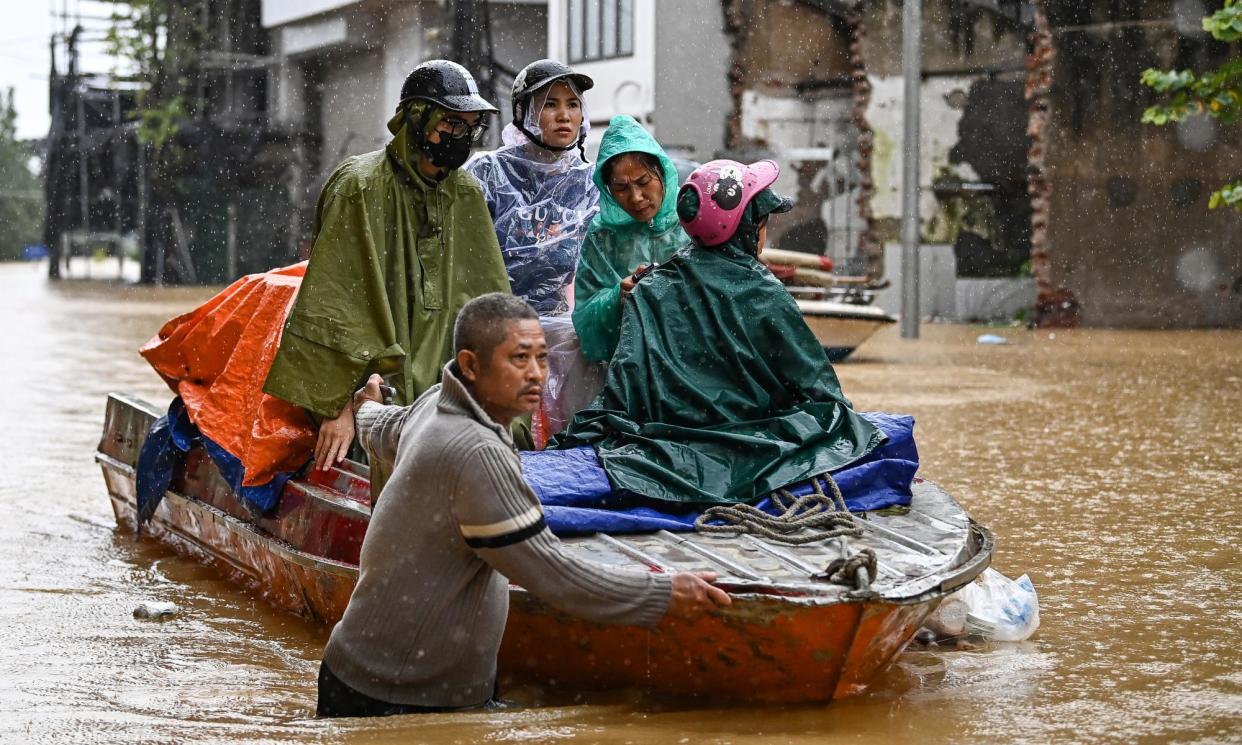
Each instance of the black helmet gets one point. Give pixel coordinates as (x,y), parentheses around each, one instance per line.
(540,74)
(535,77)
(446,84)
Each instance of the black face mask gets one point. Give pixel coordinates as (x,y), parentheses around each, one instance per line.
(449,153)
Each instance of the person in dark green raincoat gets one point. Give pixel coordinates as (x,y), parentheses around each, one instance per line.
(402,240)
(636,226)
(718,392)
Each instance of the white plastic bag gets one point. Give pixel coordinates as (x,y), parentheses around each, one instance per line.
(993,607)
(573,380)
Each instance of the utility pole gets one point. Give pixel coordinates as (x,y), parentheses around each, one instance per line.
(53,221)
(912,64)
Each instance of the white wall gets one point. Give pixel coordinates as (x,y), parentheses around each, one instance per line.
(279,12)
(412,33)
(519,37)
(692,99)
(364,66)
(984,300)
(623,85)
(937,281)
(355,108)
(939,119)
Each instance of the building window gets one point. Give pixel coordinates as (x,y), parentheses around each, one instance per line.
(600,29)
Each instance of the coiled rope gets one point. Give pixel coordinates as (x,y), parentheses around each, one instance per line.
(845,571)
(814,517)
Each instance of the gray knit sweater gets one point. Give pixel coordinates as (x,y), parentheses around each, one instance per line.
(454,525)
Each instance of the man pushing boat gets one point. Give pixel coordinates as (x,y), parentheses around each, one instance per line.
(457,523)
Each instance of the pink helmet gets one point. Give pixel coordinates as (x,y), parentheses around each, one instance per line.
(725,187)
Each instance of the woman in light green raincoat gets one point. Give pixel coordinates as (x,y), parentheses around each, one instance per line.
(637,226)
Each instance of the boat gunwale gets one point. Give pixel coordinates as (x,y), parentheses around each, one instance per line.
(844,311)
(808,594)
(943,580)
(282,547)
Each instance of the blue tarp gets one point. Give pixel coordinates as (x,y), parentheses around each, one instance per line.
(169,439)
(571,484)
(578,498)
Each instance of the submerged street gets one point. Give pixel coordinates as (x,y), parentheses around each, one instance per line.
(1106,463)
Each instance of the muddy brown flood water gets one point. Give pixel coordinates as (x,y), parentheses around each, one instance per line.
(1108,464)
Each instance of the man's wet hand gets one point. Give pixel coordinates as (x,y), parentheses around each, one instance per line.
(372,391)
(693,595)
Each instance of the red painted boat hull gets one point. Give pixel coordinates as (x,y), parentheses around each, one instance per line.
(766,647)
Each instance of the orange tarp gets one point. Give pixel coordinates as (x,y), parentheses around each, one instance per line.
(216,358)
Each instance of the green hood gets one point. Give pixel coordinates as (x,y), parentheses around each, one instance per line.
(393,260)
(626,135)
(401,147)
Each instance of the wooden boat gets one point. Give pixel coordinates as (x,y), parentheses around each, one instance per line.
(842,327)
(836,307)
(788,637)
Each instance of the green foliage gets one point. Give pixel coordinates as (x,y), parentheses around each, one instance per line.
(135,36)
(155,42)
(1216,93)
(21,192)
(160,123)
(1227,196)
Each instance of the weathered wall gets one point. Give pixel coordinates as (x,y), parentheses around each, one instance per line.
(798,109)
(519,37)
(342,71)
(972,130)
(790,44)
(955,37)
(1129,231)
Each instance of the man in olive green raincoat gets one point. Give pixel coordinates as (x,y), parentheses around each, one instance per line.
(402,240)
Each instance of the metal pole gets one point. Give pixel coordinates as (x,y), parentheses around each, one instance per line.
(230,243)
(84,184)
(912,30)
(144,261)
(115,141)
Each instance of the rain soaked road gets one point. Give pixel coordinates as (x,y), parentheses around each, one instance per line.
(1108,463)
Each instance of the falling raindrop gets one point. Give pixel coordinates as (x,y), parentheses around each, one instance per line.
(1198,133)
(1197,269)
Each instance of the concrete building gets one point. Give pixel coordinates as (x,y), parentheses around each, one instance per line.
(1030,112)
(832,115)
(340,63)
(1031,190)
(661,62)
(182,161)
(1129,233)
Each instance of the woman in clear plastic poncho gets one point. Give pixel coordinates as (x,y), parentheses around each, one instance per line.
(538,185)
(637,226)
(541,196)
